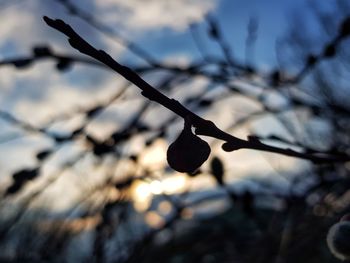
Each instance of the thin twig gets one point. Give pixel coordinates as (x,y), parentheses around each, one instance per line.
(203,127)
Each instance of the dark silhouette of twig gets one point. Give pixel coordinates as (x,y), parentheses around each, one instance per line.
(216,34)
(203,127)
(252,32)
(329,50)
(198,42)
(74,10)
(24,205)
(45,52)
(90,113)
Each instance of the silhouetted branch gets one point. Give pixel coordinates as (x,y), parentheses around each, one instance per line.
(252,32)
(24,206)
(203,127)
(122,40)
(44,52)
(330,49)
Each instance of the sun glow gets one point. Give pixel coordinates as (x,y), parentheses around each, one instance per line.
(143,191)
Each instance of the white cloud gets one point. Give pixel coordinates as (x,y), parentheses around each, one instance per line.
(155,14)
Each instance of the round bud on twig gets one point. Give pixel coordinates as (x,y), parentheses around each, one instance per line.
(188,152)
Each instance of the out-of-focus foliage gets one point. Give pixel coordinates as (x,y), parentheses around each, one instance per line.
(102,191)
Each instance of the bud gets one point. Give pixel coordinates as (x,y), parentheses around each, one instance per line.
(217,170)
(188,152)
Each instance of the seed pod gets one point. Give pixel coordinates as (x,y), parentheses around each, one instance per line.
(188,152)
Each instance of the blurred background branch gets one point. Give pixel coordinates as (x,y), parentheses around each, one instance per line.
(83,156)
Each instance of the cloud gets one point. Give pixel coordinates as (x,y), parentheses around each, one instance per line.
(24,29)
(155,14)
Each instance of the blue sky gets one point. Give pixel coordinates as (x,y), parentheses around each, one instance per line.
(273,18)
(164,32)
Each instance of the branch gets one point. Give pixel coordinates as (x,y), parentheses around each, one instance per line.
(203,127)
(74,10)
(45,52)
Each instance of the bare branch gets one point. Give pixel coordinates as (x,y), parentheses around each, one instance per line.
(203,127)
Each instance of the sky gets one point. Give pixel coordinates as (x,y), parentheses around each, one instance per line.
(160,27)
